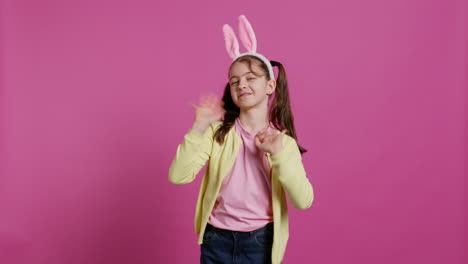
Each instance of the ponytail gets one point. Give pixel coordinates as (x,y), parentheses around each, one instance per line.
(280,111)
(232,112)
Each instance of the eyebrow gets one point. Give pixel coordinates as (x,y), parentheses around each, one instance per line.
(241,75)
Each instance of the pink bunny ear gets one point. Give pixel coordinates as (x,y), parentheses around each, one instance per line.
(232,45)
(247,35)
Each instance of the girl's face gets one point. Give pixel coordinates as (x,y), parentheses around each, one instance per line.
(249,89)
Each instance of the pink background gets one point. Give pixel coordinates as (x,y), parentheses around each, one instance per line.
(96,95)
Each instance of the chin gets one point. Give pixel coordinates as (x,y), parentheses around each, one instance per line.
(244,107)
(249,104)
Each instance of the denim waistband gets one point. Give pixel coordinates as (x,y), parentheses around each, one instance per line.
(268,227)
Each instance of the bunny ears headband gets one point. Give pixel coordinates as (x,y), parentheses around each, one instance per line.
(247,36)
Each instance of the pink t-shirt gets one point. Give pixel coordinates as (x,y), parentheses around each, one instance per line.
(244,200)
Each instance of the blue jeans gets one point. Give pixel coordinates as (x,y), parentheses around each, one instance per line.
(231,247)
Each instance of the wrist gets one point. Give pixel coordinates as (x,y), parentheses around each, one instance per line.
(199,127)
(275,151)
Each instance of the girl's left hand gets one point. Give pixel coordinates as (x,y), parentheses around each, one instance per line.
(271,143)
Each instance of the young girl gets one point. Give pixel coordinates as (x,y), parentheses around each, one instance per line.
(254,161)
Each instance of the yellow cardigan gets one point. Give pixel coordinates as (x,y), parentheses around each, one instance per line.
(288,177)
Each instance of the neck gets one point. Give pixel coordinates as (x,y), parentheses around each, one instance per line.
(254,120)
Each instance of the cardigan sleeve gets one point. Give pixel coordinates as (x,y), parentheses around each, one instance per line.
(192,154)
(288,168)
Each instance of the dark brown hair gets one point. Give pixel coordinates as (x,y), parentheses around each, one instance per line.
(280,110)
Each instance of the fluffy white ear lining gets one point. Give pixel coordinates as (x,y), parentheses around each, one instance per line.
(249,41)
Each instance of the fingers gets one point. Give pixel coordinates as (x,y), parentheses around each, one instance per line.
(210,109)
(284,131)
(210,99)
(277,132)
(257,141)
(212,102)
(260,136)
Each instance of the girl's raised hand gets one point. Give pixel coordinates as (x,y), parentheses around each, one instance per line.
(210,110)
(271,143)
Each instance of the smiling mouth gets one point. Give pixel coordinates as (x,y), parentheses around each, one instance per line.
(244,94)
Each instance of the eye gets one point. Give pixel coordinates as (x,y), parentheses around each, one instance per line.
(234,83)
(251,78)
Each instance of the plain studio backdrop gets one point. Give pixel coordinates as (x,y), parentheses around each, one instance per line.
(95,96)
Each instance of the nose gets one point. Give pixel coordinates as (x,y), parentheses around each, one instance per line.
(243,83)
